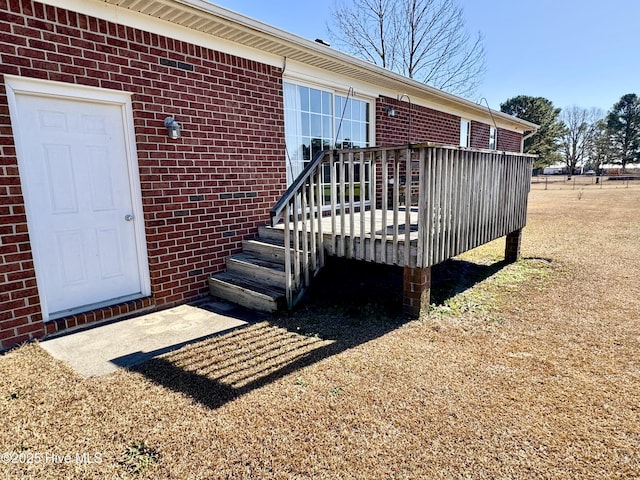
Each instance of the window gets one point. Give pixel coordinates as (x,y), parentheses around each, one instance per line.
(465,133)
(351,122)
(319,120)
(493,138)
(308,122)
(316,120)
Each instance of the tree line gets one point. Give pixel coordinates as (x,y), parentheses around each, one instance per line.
(578,136)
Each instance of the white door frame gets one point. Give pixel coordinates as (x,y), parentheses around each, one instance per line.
(16,85)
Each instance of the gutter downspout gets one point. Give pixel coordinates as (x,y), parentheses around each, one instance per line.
(525,136)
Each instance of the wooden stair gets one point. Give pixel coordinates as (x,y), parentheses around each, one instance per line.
(256,277)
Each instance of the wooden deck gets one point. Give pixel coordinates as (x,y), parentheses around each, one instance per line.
(353,236)
(431,203)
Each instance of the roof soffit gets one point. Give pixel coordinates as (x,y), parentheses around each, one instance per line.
(213,20)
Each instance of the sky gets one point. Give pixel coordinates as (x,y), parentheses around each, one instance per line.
(573,52)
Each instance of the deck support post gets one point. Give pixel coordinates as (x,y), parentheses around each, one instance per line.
(512,246)
(416,290)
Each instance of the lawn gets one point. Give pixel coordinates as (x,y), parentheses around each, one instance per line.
(528,370)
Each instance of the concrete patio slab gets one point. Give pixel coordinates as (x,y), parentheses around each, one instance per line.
(103,349)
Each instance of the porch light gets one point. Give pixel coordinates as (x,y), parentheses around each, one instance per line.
(390,111)
(173,128)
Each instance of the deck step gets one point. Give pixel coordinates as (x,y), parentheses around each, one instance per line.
(265,250)
(256,278)
(271,234)
(249,294)
(257,269)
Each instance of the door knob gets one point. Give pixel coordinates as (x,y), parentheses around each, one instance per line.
(128,217)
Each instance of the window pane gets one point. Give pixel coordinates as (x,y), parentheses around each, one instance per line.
(359,134)
(306,152)
(339,105)
(363,112)
(338,129)
(326,126)
(304,124)
(345,137)
(316,126)
(315,103)
(316,146)
(346,128)
(326,103)
(304,98)
(355,110)
(294,150)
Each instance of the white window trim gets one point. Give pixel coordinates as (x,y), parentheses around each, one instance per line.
(468,136)
(495,138)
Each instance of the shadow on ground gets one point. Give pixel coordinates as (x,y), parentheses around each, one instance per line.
(349,304)
(454,276)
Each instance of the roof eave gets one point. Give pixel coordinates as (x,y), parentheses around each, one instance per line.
(206,17)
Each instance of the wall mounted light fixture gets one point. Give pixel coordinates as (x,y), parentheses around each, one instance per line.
(173,128)
(390,111)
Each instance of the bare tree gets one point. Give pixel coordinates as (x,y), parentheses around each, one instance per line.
(423,39)
(578,136)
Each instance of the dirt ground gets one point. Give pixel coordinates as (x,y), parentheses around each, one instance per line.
(521,371)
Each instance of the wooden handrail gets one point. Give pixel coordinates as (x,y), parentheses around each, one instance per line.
(277,210)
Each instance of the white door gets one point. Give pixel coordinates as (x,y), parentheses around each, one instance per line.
(83,222)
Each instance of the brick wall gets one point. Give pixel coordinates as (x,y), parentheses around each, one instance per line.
(479,135)
(427,125)
(509,141)
(202,194)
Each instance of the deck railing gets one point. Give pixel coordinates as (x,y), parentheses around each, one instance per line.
(414,206)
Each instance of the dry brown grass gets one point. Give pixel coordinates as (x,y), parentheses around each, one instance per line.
(532,373)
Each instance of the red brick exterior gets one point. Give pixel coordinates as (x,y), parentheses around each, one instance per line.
(509,141)
(202,194)
(479,135)
(427,125)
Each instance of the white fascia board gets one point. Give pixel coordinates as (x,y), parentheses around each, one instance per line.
(130,18)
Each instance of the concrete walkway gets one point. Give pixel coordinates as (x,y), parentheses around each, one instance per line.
(104,349)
